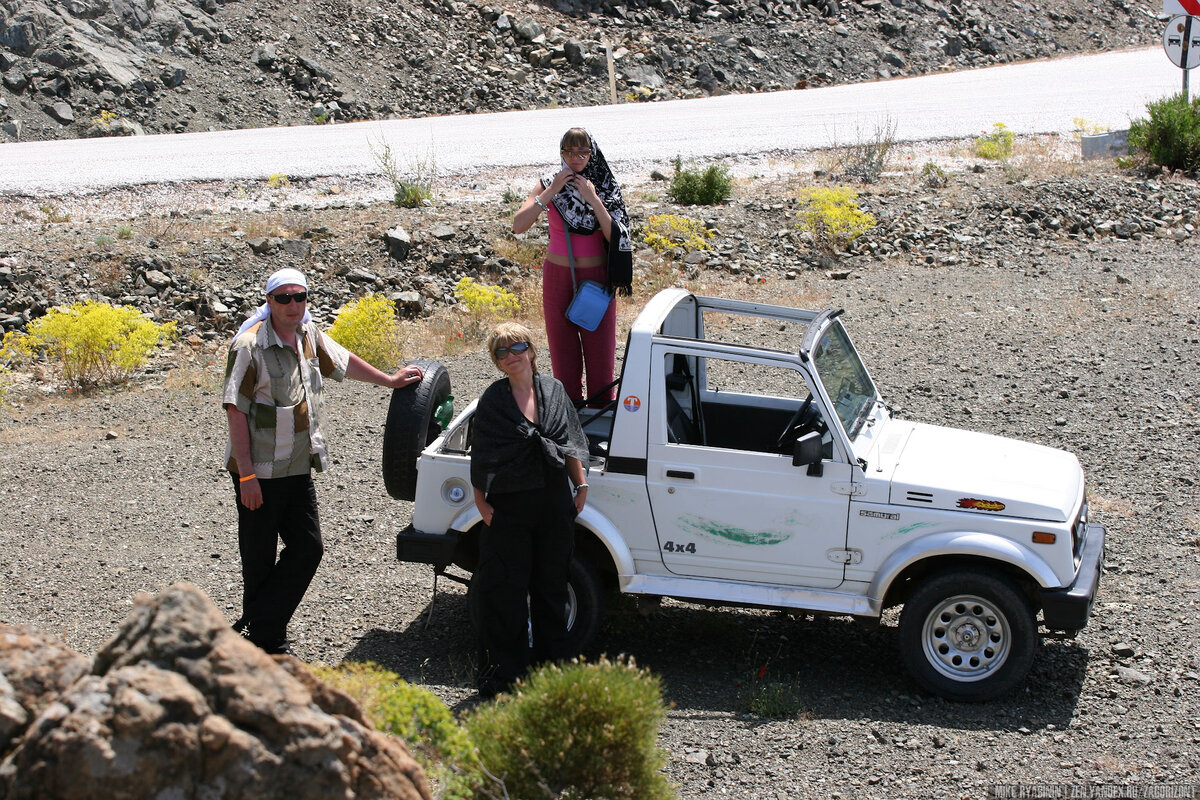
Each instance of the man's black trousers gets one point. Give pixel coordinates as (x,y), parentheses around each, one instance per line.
(273,589)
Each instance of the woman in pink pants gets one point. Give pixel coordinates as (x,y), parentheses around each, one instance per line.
(584,198)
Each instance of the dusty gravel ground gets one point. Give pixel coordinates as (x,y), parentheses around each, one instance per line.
(104,497)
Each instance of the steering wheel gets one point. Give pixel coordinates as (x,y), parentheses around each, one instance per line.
(781,443)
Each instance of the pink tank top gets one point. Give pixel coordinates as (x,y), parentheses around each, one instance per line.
(581,246)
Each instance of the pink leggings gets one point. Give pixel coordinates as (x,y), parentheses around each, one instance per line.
(571,347)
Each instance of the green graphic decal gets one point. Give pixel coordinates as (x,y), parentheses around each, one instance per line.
(731,533)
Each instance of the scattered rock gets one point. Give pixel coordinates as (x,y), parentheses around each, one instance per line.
(60,111)
(399,243)
(1130,675)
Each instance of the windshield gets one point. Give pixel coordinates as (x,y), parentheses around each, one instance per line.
(844,377)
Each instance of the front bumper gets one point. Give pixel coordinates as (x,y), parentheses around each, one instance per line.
(1068,609)
(426,548)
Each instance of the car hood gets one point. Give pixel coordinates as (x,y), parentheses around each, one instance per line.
(982,474)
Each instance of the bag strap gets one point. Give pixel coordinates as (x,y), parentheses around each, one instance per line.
(570,260)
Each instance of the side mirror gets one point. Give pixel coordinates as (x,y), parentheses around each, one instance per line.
(807,450)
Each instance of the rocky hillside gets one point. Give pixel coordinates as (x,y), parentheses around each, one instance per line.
(118,67)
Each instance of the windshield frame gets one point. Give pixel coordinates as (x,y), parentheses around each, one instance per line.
(830,359)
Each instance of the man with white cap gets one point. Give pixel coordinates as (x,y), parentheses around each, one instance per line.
(273,377)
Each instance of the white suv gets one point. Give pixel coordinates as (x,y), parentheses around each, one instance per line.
(749,459)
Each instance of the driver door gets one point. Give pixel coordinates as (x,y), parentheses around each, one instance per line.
(727,503)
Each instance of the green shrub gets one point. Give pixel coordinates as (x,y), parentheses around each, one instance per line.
(417,716)
(1170,137)
(412,195)
(93,343)
(413,188)
(997,145)
(576,731)
(833,217)
(124,232)
(770,698)
(665,232)
(368,328)
(934,177)
(691,187)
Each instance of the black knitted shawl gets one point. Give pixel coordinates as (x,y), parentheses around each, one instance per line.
(510,453)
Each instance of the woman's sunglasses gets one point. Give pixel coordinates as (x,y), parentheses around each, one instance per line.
(501,353)
(284,299)
(580,153)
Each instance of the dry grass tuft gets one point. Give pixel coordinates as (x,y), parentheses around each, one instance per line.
(1117,506)
(522,252)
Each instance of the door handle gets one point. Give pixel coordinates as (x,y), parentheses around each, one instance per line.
(678,473)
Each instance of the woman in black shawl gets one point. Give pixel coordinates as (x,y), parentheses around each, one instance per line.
(584,200)
(527,456)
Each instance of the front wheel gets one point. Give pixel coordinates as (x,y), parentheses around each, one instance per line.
(968,635)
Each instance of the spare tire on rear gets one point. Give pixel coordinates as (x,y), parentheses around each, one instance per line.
(411,426)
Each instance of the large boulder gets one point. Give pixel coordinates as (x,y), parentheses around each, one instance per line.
(178,705)
(34,671)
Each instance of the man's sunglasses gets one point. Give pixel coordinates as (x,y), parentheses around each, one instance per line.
(284,299)
(501,353)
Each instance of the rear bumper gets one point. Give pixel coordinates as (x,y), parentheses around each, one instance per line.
(426,548)
(1068,609)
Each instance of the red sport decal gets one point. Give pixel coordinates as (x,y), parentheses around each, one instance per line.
(980,505)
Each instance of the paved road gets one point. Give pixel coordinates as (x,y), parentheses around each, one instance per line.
(1035,97)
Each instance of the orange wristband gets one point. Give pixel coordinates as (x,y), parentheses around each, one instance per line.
(249,477)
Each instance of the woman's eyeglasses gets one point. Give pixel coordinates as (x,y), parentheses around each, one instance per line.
(501,353)
(577,153)
(284,299)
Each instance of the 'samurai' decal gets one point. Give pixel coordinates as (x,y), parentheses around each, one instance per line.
(980,505)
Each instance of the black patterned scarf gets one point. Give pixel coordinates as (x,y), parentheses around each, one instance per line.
(580,219)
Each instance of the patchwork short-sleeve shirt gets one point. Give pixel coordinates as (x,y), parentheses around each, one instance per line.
(280,394)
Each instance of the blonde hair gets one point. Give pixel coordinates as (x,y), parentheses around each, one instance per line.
(575,137)
(507,333)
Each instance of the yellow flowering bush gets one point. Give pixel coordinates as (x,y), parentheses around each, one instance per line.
(833,217)
(997,145)
(368,328)
(485,303)
(665,232)
(94,343)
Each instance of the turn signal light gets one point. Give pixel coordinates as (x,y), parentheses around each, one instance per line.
(1041,537)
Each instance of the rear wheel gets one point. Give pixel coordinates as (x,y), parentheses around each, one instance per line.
(585,604)
(968,635)
(411,426)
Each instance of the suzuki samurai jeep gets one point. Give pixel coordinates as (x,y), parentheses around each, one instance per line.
(748,459)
